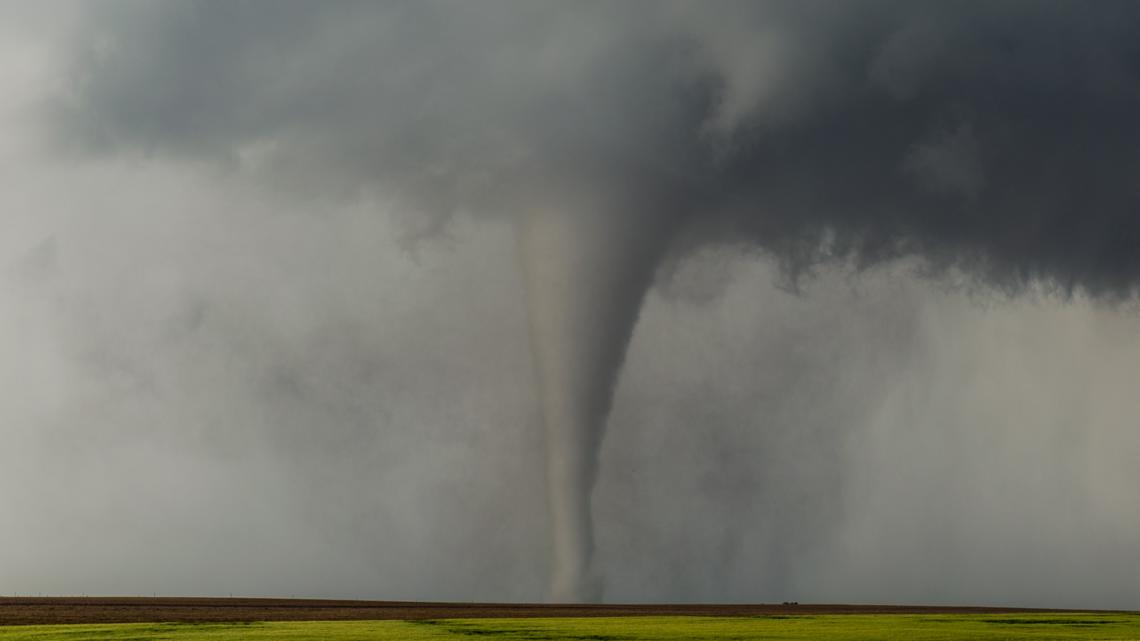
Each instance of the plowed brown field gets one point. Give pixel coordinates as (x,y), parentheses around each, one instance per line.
(31,610)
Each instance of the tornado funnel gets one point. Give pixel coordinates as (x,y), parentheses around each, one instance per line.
(587,271)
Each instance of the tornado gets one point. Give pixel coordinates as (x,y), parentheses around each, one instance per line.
(587,263)
(994,145)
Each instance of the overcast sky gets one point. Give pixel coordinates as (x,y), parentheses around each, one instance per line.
(263,331)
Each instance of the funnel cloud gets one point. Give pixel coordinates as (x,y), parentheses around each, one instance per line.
(587,270)
(648,161)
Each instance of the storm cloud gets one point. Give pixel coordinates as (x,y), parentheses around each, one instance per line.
(998,139)
(269,336)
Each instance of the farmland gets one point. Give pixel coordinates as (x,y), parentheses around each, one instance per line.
(841,627)
(312,620)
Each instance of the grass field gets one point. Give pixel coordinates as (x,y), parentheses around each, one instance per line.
(877,627)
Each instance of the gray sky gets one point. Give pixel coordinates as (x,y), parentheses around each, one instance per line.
(263,330)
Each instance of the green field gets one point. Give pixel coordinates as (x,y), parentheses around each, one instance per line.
(792,628)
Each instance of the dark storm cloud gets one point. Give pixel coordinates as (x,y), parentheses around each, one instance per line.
(999,138)
(850,443)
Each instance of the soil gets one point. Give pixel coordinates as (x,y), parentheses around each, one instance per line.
(33,610)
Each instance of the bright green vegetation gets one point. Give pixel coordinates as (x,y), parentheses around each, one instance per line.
(830,627)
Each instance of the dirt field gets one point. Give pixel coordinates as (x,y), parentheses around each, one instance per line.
(30,610)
